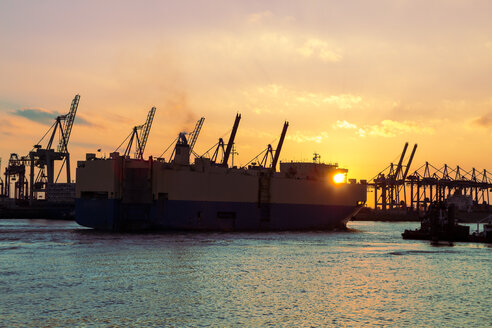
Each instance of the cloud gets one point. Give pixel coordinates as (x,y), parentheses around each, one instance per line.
(38,115)
(343,101)
(484,121)
(319,49)
(258,17)
(266,16)
(389,128)
(292,97)
(344,125)
(299,136)
(44,116)
(80,120)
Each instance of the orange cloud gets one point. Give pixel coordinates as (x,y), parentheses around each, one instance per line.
(484,121)
(317,48)
(304,136)
(259,16)
(387,128)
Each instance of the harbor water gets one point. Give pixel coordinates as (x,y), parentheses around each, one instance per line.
(56,273)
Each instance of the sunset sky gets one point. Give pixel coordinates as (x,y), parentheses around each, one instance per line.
(355,79)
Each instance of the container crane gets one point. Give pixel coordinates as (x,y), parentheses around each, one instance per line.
(394,182)
(16,172)
(66,127)
(44,158)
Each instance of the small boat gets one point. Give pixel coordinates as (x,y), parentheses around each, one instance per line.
(439,224)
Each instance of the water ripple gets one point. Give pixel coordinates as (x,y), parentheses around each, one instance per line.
(57,274)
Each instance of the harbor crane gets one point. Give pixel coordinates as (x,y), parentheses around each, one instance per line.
(44,158)
(16,172)
(393,182)
(396,190)
(139,136)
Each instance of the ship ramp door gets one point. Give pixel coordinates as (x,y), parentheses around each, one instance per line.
(137,186)
(264,197)
(136,201)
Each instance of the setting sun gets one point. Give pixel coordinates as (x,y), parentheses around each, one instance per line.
(339,178)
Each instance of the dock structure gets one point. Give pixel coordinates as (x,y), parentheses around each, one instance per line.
(430,184)
(389,184)
(395,189)
(31,177)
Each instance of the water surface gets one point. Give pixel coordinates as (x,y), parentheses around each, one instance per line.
(55,273)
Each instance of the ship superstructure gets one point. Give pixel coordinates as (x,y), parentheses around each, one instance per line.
(126,194)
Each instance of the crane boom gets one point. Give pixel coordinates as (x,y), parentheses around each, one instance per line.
(409,162)
(145,132)
(67,126)
(194,135)
(279,146)
(398,168)
(230,143)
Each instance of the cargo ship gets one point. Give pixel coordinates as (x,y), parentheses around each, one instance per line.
(121,193)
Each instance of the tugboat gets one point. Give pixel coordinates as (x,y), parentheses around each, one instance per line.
(439,224)
(487,233)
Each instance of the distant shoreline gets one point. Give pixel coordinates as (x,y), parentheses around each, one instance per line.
(369,214)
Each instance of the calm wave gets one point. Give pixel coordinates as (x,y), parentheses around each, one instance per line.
(59,274)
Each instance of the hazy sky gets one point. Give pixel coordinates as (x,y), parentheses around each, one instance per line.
(355,79)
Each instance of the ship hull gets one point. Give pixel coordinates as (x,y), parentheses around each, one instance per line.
(121,194)
(114,215)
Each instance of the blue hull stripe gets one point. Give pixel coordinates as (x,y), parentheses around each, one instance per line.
(109,214)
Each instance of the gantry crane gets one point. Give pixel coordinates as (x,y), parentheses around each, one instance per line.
(393,182)
(44,158)
(139,136)
(16,172)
